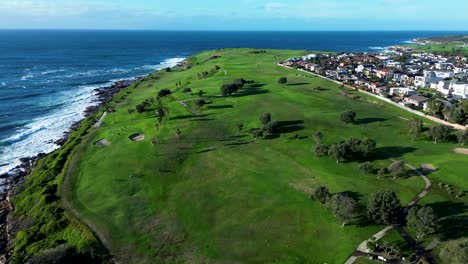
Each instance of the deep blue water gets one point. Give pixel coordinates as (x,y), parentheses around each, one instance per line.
(47,78)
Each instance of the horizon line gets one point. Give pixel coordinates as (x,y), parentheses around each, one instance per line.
(234,30)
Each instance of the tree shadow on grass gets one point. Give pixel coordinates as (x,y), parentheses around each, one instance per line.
(297,84)
(183,117)
(237,143)
(256,85)
(389,152)
(364,121)
(220,107)
(203,119)
(250,91)
(355,195)
(285,127)
(454,224)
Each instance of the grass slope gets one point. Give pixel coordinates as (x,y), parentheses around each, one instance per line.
(225,198)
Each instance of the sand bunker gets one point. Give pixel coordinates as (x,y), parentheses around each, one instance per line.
(461,151)
(428,167)
(102,142)
(137,137)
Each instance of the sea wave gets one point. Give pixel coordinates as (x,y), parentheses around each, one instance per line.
(40,134)
(377,48)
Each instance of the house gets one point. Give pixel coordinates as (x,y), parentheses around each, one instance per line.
(385,73)
(416,100)
(459,90)
(426,79)
(381,90)
(444,87)
(402,91)
(444,74)
(364,67)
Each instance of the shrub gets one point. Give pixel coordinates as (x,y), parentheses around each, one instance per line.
(164,92)
(187,90)
(366,168)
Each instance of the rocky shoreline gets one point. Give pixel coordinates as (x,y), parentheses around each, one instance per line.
(17,176)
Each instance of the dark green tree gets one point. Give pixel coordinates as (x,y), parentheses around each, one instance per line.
(463,137)
(383,207)
(283,80)
(320,150)
(318,137)
(265,118)
(271,127)
(422,220)
(164,92)
(367,146)
(348,116)
(321,194)
(199,103)
(366,168)
(439,133)
(415,128)
(337,152)
(343,207)
(397,169)
(455,252)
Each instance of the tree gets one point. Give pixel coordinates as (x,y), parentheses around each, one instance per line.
(321,194)
(337,152)
(343,207)
(415,127)
(240,126)
(187,90)
(463,137)
(140,108)
(348,116)
(366,168)
(318,136)
(455,252)
(422,220)
(265,118)
(383,207)
(397,169)
(178,135)
(283,80)
(200,103)
(382,172)
(130,112)
(271,127)
(320,150)
(161,111)
(367,146)
(257,133)
(164,92)
(439,132)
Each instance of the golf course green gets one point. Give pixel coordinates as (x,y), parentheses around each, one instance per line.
(212,193)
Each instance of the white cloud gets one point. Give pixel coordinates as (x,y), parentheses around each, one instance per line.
(48,8)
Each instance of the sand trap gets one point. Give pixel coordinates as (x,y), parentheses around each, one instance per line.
(428,167)
(461,151)
(137,137)
(102,142)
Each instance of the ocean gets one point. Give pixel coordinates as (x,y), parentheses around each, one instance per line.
(48,78)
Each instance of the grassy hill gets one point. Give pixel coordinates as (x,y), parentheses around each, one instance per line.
(217,195)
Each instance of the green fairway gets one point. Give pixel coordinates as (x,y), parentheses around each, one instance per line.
(218,195)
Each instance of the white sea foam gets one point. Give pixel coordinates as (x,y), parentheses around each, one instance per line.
(377,48)
(3,84)
(39,135)
(27,76)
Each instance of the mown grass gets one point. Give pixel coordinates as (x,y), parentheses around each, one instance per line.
(224,197)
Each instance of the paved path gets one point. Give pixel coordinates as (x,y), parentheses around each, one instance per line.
(435,119)
(101,119)
(421,252)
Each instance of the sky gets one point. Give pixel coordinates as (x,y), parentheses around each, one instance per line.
(235,14)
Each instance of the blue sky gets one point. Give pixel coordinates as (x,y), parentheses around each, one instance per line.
(236,14)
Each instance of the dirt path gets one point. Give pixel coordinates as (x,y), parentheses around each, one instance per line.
(362,248)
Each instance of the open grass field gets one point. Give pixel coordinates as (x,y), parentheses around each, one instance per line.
(456,48)
(217,195)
